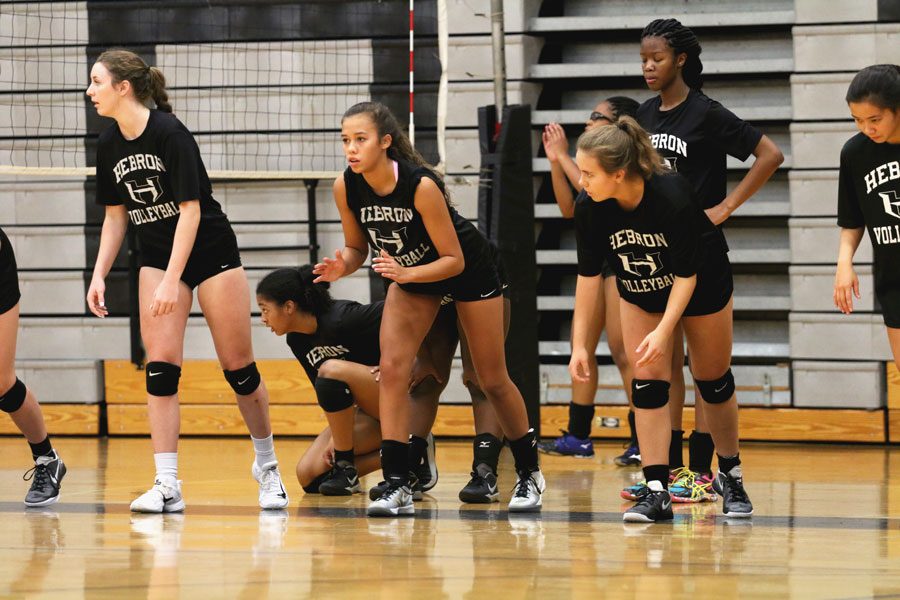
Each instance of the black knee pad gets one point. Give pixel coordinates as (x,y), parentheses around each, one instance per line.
(649,393)
(162,378)
(14,397)
(244,381)
(333,395)
(718,390)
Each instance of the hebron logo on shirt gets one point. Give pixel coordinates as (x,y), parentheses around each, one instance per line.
(133,162)
(650,262)
(670,142)
(881,175)
(320,353)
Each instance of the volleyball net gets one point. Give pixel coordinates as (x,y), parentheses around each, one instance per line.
(262,84)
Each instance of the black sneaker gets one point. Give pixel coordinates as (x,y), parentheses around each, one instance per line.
(482,488)
(630,458)
(377,491)
(735,501)
(343,480)
(46,475)
(652,506)
(427,471)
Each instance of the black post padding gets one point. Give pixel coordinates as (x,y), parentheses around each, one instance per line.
(312,219)
(506,217)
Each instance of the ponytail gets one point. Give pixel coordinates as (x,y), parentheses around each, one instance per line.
(682,41)
(624,145)
(158,90)
(878,85)
(148,83)
(296,284)
(401,148)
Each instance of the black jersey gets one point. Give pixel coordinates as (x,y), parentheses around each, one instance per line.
(348,331)
(393,224)
(152,175)
(869,196)
(695,137)
(663,237)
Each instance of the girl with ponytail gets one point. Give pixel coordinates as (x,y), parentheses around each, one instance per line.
(869,191)
(694,134)
(669,267)
(393,203)
(150,174)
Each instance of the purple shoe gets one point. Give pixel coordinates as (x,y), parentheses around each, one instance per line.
(568,445)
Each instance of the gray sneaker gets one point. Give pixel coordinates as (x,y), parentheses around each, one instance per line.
(46,477)
(395,500)
(735,501)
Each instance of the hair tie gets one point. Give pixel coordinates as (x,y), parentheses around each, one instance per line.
(621,125)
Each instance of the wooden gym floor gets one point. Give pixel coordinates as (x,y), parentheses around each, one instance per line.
(827,525)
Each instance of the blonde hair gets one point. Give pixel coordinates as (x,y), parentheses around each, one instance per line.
(622,145)
(147,82)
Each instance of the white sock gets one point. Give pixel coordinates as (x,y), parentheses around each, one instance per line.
(166,467)
(265,450)
(656,486)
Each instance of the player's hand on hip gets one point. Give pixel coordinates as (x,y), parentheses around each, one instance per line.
(96,298)
(385,265)
(330,269)
(165,298)
(846,285)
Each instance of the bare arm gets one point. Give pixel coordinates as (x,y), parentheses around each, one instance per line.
(115,224)
(846,283)
(430,204)
(563,170)
(353,254)
(768,159)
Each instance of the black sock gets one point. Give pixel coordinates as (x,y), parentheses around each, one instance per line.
(676,458)
(343,456)
(395,462)
(524,452)
(658,473)
(580,418)
(727,463)
(44,448)
(632,428)
(486,449)
(417,449)
(700,452)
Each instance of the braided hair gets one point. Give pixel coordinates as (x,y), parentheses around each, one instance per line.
(682,40)
(296,284)
(623,106)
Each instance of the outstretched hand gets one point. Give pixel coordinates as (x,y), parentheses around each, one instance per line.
(330,269)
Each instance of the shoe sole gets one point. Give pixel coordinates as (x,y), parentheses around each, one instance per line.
(278,506)
(639,518)
(626,463)
(557,453)
(46,502)
(479,498)
(734,515)
(378,511)
(174,508)
(707,498)
(525,509)
(626,496)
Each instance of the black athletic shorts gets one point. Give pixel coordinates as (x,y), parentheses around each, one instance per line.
(606,270)
(201,265)
(889,299)
(480,280)
(715,286)
(9,275)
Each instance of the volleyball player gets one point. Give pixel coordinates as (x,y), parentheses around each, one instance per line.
(390,200)
(149,173)
(694,134)
(669,267)
(17,400)
(869,193)
(564,176)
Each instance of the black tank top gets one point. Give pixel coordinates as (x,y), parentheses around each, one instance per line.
(392,223)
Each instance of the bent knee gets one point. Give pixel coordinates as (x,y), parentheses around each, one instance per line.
(332,368)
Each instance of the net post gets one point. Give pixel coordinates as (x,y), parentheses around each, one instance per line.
(412,71)
(312,219)
(499,54)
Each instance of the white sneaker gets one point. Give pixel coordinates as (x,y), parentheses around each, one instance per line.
(162,497)
(272,494)
(394,501)
(527,493)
